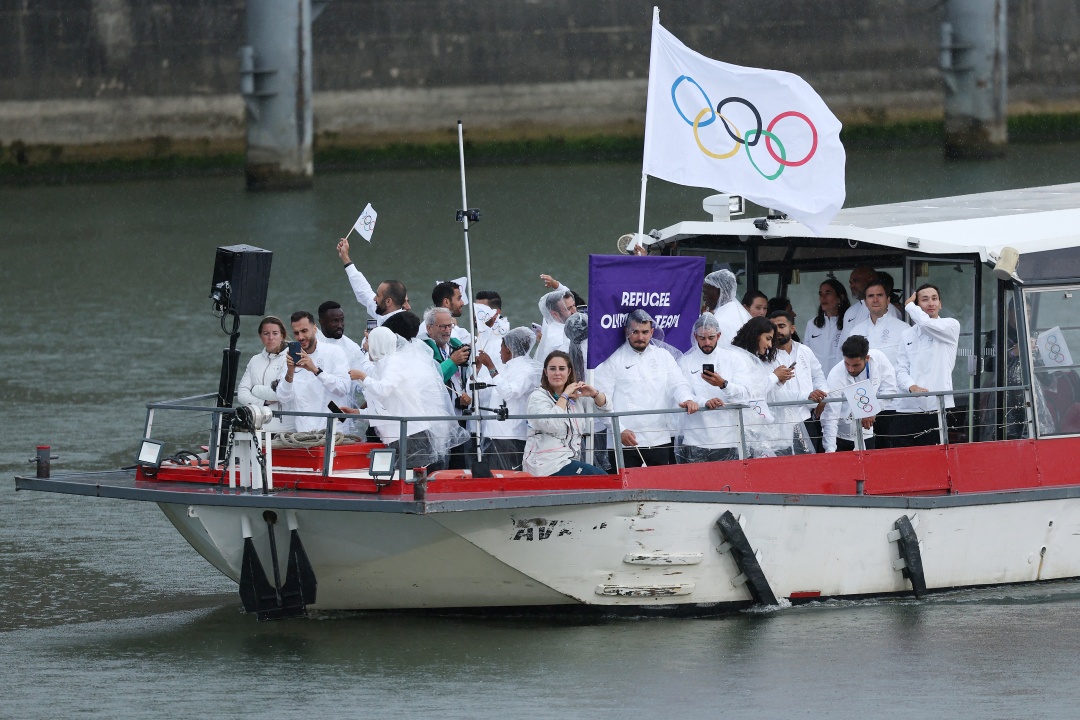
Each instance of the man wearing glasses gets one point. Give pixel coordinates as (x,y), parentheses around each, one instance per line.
(452,357)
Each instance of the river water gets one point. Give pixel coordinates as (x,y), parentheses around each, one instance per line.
(106,612)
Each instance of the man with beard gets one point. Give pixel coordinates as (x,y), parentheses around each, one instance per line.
(860,363)
(390,298)
(713,373)
(320,376)
(718,295)
(641,376)
(807,383)
(447,296)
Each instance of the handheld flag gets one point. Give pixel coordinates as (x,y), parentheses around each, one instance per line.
(759,409)
(862,400)
(1052,348)
(365,224)
(763,134)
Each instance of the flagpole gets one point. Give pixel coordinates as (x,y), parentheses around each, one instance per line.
(641,210)
(469,284)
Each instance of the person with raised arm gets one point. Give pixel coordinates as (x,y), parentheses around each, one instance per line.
(391,296)
(555,307)
(320,376)
(924,364)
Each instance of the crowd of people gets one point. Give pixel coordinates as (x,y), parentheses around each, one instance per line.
(746,353)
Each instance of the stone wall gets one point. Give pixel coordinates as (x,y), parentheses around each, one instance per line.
(100,71)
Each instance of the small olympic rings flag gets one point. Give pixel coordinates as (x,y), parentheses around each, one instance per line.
(365,224)
(1052,348)
(763,134)
(862,400)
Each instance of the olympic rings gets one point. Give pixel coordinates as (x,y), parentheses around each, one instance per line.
(701,145)
(708,103)
(751,137)
(863,401)
(768,135)
(757,116)
(783,161)
(1055,350)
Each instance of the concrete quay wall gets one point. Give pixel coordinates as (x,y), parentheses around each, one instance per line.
(100,72)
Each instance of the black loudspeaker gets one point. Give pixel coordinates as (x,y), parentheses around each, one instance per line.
(241,278)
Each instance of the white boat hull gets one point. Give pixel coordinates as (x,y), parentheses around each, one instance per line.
(648,554)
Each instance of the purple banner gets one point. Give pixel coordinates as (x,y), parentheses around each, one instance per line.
(668,288)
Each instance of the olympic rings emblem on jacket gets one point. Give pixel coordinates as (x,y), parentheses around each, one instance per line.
(748,139)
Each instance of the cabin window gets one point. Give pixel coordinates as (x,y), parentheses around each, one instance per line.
(1053,321)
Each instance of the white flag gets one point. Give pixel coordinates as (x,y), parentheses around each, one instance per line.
(759,410)
(862,400)
(1052,348)
(461,282)
(365,224)
(762,134)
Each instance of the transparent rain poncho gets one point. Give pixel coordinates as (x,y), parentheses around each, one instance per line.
(406,382)
(519,341)
(576,329)
(729,312)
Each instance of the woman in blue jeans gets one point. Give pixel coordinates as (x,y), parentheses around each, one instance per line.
(552,445)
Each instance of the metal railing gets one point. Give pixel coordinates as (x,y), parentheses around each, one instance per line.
(1000,396)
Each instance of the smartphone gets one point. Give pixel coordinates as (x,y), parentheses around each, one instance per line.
(791,366)
(536,328)
(371,323)
(333,407)
(708,368)
(294,351)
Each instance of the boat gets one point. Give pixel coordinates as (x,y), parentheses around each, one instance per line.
(349,527)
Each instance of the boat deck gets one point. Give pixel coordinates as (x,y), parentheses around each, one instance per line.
(936,476)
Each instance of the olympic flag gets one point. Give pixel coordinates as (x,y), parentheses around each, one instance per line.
(762,134)
(862,400)
(365,224)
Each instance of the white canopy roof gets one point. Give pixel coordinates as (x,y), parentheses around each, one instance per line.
(1030,220)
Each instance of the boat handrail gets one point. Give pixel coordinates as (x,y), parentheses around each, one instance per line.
(745,444)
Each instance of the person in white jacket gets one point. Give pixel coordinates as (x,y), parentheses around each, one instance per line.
(924,364)
(807,383)
(823,331)
(860,363)
(555,307)
(553,444)
(715,374)
(321,375)
(641,376)
(259,384)
(389,299)
(504,440)
(718,294)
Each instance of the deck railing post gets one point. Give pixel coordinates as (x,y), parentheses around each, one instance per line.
(1029,411)
(328,446)
(742,434)
(403,447)
(212,451)
(616,432)
(860,441)
(943,425)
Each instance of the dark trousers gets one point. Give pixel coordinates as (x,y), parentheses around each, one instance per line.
(843,445)
(462,456)
(503,454)
(915,429)
(656,455)
(814,432)
(885,429)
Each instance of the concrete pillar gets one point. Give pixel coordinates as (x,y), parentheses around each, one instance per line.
(974,66)
(275,80)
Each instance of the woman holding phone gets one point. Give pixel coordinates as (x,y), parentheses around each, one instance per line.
(553,444)
(258,386)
